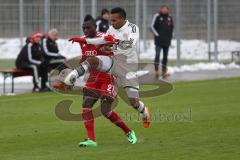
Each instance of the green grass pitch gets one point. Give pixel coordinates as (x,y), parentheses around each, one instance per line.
(30,130)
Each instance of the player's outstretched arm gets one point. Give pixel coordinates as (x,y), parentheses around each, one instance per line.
(107,39)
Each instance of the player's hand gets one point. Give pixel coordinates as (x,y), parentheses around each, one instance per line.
(77,39)
(107,48)
(110,39)
(125,44)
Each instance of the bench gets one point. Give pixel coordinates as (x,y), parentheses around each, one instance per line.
(233,55)
(13,73)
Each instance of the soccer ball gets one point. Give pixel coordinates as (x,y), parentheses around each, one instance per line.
(59,84)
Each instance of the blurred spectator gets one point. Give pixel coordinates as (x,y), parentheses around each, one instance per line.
(50,49)
(103,22)
(31,58)
(162,27)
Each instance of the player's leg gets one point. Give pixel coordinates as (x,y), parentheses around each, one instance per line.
(157,59)
(57,63)
(133,97)
(100,63)
(131,85)
(35,77)
(43,72)
(88,101)
(164,61)
(116,119)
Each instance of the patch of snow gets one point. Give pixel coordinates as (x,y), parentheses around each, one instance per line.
(202,66)
(171,69)
(10,48)
(190,49)
(25,79)
(132,75)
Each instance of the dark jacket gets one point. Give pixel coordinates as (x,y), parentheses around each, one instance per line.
(50,48)
(162,27)
(102,25)
(31,53)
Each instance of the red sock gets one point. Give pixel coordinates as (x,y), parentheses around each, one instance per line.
(89,122)
(114,118)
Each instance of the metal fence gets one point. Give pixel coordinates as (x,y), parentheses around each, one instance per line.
(207,20)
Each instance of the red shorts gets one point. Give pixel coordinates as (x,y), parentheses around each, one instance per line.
(102,84)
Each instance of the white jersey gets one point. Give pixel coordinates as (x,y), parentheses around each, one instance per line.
(128,32)
(125,59)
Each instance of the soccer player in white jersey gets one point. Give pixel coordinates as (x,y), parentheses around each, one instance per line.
(123,64)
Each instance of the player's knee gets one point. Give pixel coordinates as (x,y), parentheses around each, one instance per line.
(93,62)
(88,103)
(106,112)
(107,100)
(106,106)
(134,102)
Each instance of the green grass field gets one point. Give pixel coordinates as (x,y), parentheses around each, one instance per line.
(30,130)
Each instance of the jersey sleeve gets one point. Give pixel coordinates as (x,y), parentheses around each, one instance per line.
(30,57)
(96,41)
(153,24)
(46,51)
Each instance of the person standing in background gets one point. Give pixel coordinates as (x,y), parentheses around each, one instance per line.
(103,22)
(162,27)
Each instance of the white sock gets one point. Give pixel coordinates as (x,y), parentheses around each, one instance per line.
(82,68)
(85,65)
(141,107)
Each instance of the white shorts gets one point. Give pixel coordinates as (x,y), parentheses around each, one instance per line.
(118,66)
(105,63)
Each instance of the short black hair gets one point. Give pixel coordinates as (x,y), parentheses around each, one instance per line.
(104,11)
(89,18)
(120,11)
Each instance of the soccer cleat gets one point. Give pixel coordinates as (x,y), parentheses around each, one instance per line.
(165,74)
(88,143)
(132,137)
(60,86)
(146,118)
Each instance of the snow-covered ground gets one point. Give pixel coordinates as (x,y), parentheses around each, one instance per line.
(194,49)
(190,49)
(10,48)
(172,69)
(202,66)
